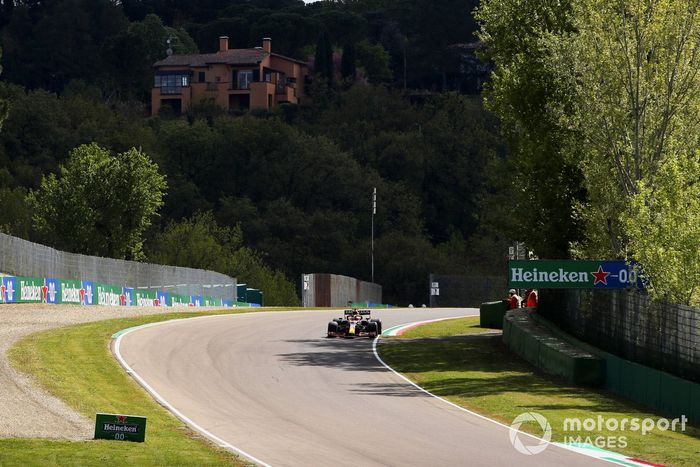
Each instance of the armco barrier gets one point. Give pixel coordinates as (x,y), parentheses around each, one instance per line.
(23,258)
(491,314)
(333,290)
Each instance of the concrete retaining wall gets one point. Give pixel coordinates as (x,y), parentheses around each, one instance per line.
(332,290)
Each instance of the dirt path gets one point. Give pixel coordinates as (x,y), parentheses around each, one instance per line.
(25,410)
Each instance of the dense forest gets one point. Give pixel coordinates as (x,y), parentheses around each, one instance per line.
(264,196)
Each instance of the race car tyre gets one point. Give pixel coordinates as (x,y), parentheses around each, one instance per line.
(332,328)
(379,325)
(372,327)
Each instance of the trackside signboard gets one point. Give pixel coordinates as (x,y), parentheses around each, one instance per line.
(120,427)
(567,274)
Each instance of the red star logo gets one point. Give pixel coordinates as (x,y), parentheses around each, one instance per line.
(121,418)
(600,276)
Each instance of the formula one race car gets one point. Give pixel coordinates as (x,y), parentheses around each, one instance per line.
(355,323)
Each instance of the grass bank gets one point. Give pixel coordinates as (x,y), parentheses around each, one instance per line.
(479,373)
(88,378)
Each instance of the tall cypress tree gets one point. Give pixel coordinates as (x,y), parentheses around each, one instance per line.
(347,64)
(323,63)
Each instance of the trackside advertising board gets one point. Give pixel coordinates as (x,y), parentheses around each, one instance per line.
(20,289)
(120,427)
(70,293)
(566,274)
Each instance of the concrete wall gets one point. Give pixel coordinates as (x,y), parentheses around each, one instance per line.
(22,258)
(336,291)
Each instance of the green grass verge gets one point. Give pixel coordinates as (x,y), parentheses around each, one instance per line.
(75,364)
(479,373)
(448,327)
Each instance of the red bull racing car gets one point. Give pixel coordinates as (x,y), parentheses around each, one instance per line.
(355,323)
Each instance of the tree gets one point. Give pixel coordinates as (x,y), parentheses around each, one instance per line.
(101,204)
(635,69)
(536,187)
(347,63)
(375,61)
(663,228)
(323,62)
(199,242)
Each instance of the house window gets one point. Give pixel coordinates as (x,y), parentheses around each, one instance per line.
(280,83)
(244,78)
(201,77)
(171,83)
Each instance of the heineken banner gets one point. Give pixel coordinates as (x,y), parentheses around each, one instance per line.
(69,292)
(120,427)
(29,289)
(564,274)
(54,291)
(179,301)
(208,301)
(144,297)
(109,295)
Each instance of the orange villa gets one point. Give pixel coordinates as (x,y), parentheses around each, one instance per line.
(230,78)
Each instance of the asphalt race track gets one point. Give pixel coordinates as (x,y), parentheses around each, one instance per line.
(273,386)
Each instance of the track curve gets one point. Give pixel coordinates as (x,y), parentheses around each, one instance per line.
(272,386)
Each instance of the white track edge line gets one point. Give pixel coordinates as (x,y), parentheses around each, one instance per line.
(166,404)
(563,446)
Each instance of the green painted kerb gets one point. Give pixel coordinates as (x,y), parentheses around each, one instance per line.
(120,427)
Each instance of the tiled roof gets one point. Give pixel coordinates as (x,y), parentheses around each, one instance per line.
(230,57)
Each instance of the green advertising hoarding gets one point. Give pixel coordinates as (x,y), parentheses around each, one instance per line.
(179,301)
(143,297)
(29,289)
(120,427)
(569,274)
(108,295)
(210,301)
(69,292)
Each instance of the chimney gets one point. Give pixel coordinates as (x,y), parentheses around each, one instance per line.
(223,43)
(267,44)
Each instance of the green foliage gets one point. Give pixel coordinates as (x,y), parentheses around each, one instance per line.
(605,92)
(347,63)
(15,216)
(638,94)
(536,188)
(130,54)
(663,226)
(101,204)
(42,128)
(200,242)
(323,59)
(375,61)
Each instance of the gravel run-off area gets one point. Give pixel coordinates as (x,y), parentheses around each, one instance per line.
(26,411)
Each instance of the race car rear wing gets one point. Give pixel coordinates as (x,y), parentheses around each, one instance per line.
(361,312)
